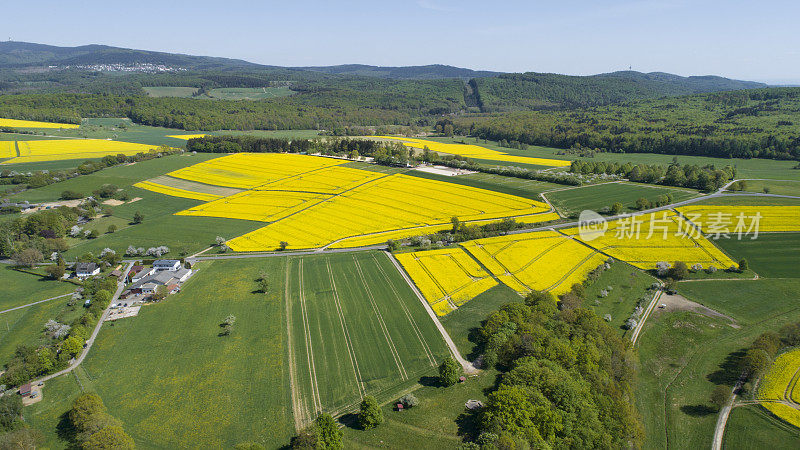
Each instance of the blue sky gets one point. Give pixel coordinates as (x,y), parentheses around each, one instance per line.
(755,40)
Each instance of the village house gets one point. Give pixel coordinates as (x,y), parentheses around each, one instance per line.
(138,272)
(86,270)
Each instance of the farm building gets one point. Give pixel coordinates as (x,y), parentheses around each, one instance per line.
(25,390)
(137,273)
(166,264)
(172,279)
(85,270)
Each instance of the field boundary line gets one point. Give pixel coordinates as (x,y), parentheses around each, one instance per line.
(35,303)
(392,348)
(350,351)
(466,365)
(414,325)
(297,407)
(309,345)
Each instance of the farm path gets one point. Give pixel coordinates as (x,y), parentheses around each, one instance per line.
(466,365)
(35,303)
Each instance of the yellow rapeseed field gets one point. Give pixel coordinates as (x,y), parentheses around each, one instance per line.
(250,170)
(733,219)
(475,151)
(645,240)
(447,278)
(176,192)
(62,149)
(7,149)
(14,123)
(262,206)
(388,203)
(780,383)
(540,260)
(186,137)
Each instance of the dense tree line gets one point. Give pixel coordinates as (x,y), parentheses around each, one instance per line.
(742,124)
(94,428)
(706,178)
(566,377)
(526,91)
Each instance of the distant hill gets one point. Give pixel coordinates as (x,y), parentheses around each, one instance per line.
(428,72)
(22,54)
(525,91)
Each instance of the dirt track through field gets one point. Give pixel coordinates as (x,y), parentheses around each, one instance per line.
(312,370)
(350,351)
(299,411)
(392,348)
(414,325)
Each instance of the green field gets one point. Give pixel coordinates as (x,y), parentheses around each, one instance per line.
(770,255)
(21,288)
(439,421)
(174,382)
(628,286)
(170,91)
(356,329)
(754,427)
(26,326)
(572,201)
(249,93)
(779,187)
(462,323)
(220,93)
(685,355)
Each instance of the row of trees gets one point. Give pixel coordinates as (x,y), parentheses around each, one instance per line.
(94,428)
(705,178)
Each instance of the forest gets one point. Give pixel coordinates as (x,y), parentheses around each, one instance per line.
(740,124)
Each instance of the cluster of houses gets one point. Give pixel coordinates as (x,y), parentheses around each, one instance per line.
(164,272)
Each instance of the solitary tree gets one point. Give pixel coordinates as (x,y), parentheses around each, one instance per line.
(55,271)
(456,223)
(28,257)
(160,294)
(409,400)
(616,208)
(109,437)
(282,245)
(743,265)
(449,371)
(263,284)
(679,270)
(112,228)
(329,434)
(138,217)
(642,203)
(370,414)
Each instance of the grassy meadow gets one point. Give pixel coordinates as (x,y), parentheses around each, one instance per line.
(754,427)
(572,201)
(174,382)
(772,255)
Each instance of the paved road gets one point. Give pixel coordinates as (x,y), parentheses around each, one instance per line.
(90,341)
(35,303)
(466,365)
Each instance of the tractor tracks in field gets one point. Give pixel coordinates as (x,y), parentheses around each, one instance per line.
(382,323)
(312,369)
(346,332)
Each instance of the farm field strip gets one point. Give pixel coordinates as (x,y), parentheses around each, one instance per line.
(645,240)
(729,218)
(8,149)
(354,330)
(540,260)
(447,278)
(186,137)
(193,186)
(62,149)
(474,151)
(251,170)
(14,123)
(175,192)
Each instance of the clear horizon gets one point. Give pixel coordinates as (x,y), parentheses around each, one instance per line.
(733,39)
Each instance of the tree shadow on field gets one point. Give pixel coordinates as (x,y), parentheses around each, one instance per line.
(730,369)
(468,423)
(698,410)
(429,381)
(350,420)
(66,431)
